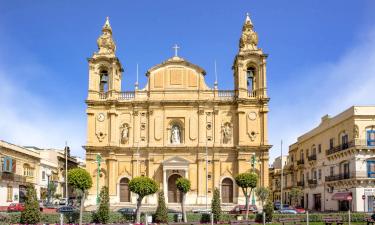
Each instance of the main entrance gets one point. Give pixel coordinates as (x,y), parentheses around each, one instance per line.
(227,190)
(174,195)
(124,190)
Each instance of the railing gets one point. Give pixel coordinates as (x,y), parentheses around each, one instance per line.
(103,95)
(341,176)
(312,182)
(227,94)
(343,147)
(312,157)
(12,177)
(126,95)
(301,183)
(256,93)
(300,162)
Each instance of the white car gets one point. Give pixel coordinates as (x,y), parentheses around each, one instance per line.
(201,210)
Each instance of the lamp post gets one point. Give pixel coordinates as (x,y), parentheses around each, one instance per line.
(48,173)
(206,176)
(98,161)
(253,168)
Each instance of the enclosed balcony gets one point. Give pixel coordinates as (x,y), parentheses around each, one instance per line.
(341,176)
(301,162)
(300,183)
(312,157)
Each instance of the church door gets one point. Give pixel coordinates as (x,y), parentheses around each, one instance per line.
(174,195)
(227,190)
(124,190)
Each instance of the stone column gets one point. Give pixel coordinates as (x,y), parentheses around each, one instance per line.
(165,185)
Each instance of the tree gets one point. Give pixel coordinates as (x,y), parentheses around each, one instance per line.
(183,185)
(50,191)
(295,194)
(80,179)
(247,182)
(262,194)
(161,214)
(216,206)
(142,186)
(268,209)
(31,214)
(102,214)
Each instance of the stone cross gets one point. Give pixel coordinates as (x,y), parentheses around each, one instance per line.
(176,47)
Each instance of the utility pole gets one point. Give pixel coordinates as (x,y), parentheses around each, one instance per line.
(253,167)
(206,176)
(66,173)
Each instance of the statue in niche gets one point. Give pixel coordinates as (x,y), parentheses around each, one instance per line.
(124,134)
(175,135)
(227,133)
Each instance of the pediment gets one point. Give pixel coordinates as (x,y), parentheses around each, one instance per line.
(176,160)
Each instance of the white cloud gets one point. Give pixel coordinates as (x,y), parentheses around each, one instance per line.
(327,88)
(29,119)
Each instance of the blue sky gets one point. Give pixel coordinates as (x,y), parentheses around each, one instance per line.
(321,58)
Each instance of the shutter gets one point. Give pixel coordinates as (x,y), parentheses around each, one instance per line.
(14,166)
(2,162)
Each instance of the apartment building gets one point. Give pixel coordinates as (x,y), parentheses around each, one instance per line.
(334,163)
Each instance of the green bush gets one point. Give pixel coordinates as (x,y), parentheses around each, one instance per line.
(268,209)
(216,206)
(205,218)
(31,214)
(161,213)
(102,214)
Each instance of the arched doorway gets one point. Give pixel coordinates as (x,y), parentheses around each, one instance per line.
(124,190)
(174,195)
(227,191)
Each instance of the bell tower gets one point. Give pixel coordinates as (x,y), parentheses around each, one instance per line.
(249,65)
(105,69)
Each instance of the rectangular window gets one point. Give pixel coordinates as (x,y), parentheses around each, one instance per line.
(371,168)
(331,143)
(320,174)
(9,193)
(43,175)
(331,170)
(319,148)
(371,138)
(314,174)
(7,164)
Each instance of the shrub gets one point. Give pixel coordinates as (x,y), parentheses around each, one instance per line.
(183,185)
(161,214)
(102,214)
(216,206)
(268,209)
(31,214)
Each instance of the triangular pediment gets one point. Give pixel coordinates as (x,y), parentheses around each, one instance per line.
(176,160)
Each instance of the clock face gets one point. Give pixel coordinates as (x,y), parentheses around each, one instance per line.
(252,115)
(101,117)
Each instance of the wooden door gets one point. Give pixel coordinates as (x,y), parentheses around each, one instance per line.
(227,190)
(174,195)
(124,190)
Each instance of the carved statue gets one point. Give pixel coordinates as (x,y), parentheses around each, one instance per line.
(249,38)
(105,42)
(125,134)
(227,133)
(175,135)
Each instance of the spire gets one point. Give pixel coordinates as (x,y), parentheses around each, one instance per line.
(249,38)
(105,42)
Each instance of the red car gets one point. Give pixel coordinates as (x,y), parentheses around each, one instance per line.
(16,207)
(299,209)
(241,209)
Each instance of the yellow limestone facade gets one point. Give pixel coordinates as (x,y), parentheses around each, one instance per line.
(177,126)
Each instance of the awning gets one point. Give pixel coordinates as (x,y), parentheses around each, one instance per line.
(342,196)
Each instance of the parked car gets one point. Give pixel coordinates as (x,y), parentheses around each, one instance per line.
(287,211)
(66,209)
(127,211)
(62,201)
(201,210)
(277,205)
(299,209)
(16,207)
(241,209)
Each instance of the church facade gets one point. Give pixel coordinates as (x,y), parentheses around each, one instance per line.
(177,126)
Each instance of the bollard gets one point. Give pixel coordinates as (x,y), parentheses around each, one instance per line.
(146,219)
(349,216)
(307,217)
(212,218)
(61,219)
(264,218)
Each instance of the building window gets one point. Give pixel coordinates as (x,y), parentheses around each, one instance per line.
(344,141)
(371,168)
(331,170)
(8,164)
(28,171)
(331,143)
(371,138)
(43,175)
(103,81)
(320,148)
(250,73)
(320,174)
(315,175)
(9,193)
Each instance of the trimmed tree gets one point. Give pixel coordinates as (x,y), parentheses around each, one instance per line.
(80,179)
(31,214)
(262,194)
(183,185)
(142,186)
(268,209)
(216,206)
(102,214)
(247,182)
(295,194)
(161,214)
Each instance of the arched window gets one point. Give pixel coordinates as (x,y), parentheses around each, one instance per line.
(250,76)
(103,86)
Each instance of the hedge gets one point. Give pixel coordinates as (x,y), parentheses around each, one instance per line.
(115,217)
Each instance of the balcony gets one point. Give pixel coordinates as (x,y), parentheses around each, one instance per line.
(301,162)
(312,182)
(103,95)
(312,157)
(6,176)
(342,176)
(300,183)
(126,95)
(226,94)
(341,147)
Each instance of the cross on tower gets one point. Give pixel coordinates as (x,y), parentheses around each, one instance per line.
(176,47)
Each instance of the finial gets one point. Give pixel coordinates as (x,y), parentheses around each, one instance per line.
(136,83)
(248,20)
(107,22)
(176,47)
(215,84)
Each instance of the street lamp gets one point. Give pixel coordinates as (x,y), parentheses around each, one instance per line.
(253,162)
(98,161)
(48,173)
